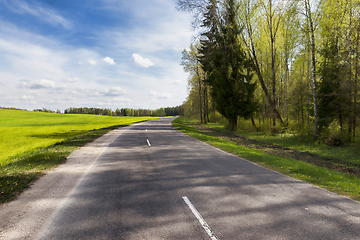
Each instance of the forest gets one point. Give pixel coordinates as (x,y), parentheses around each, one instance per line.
(160,112)
(284,65)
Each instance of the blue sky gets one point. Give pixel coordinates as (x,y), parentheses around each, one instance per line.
(57,54)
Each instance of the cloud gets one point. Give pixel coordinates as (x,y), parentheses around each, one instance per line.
(44,13)
(37,84)
(25,97)
(92,62)
(74,79)
(109,60)
(177,82)
(143,62)
(113,92)
(160,96)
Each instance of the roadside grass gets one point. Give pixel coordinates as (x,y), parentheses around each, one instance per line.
(341,183)
(32,142)
(350,152)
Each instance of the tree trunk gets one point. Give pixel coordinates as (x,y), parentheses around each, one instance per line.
(252,53)
(313,59)
(356,80)
(233,124)
(301,94)
(272,42)
(200,99)
(350,75)
(308,86)
(286,85)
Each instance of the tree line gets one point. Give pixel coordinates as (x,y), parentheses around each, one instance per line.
(161,112)
(290,64)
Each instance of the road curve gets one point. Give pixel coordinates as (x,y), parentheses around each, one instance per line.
(149,181)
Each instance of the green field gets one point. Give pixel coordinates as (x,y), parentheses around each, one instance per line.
(32,142)
(23,132)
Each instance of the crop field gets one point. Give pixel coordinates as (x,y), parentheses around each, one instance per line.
(23,132)
(33,142)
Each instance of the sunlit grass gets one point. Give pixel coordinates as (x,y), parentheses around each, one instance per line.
(22,132)
(350,152)
(331,180)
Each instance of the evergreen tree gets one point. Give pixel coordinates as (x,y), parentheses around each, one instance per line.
(331,96)
(227,66)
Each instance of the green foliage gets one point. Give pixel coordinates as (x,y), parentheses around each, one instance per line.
(227,66)
(331,93)
(306,56)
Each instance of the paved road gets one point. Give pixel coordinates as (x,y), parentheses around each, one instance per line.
(153,182)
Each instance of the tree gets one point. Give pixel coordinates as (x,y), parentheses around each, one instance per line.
(191,65)
(226,64)
(311,27)
(249,16)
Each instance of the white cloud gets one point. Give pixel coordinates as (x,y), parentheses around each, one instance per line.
(92,62)
(35,9)
(143,62)
(112,92)
(160,96)
(109,60)
(37,84)
(74,79)
(25,97)
(177,81)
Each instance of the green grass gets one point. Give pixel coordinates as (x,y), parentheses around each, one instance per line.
(331,180)
(32,142)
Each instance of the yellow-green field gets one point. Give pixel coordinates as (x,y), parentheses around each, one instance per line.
(33,142)
(23,132)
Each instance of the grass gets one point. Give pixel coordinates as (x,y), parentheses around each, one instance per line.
(33,142)
(349,152)
(341,183)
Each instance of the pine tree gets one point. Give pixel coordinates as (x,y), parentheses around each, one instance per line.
(228,68)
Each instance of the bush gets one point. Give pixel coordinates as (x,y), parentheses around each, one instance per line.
(274,130)
(333,136)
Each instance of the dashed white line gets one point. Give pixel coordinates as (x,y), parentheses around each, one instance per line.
(148,142)
(201,220)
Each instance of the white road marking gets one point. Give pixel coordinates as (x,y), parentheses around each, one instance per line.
(148,142)
(201,220)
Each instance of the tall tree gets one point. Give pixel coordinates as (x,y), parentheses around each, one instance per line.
(249,15)
(310,25)
(191,64)
(227,65)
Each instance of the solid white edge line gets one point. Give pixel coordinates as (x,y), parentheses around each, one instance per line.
(148,142)
(201,220)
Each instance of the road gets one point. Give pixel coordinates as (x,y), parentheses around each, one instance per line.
(149,181)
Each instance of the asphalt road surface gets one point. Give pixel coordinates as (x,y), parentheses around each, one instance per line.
(149,181)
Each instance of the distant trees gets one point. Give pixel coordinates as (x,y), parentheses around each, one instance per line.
(169,111)
(46,110)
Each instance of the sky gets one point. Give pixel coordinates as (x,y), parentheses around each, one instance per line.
(57,54)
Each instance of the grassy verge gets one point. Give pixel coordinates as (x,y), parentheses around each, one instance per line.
(341,183)
(31,143)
